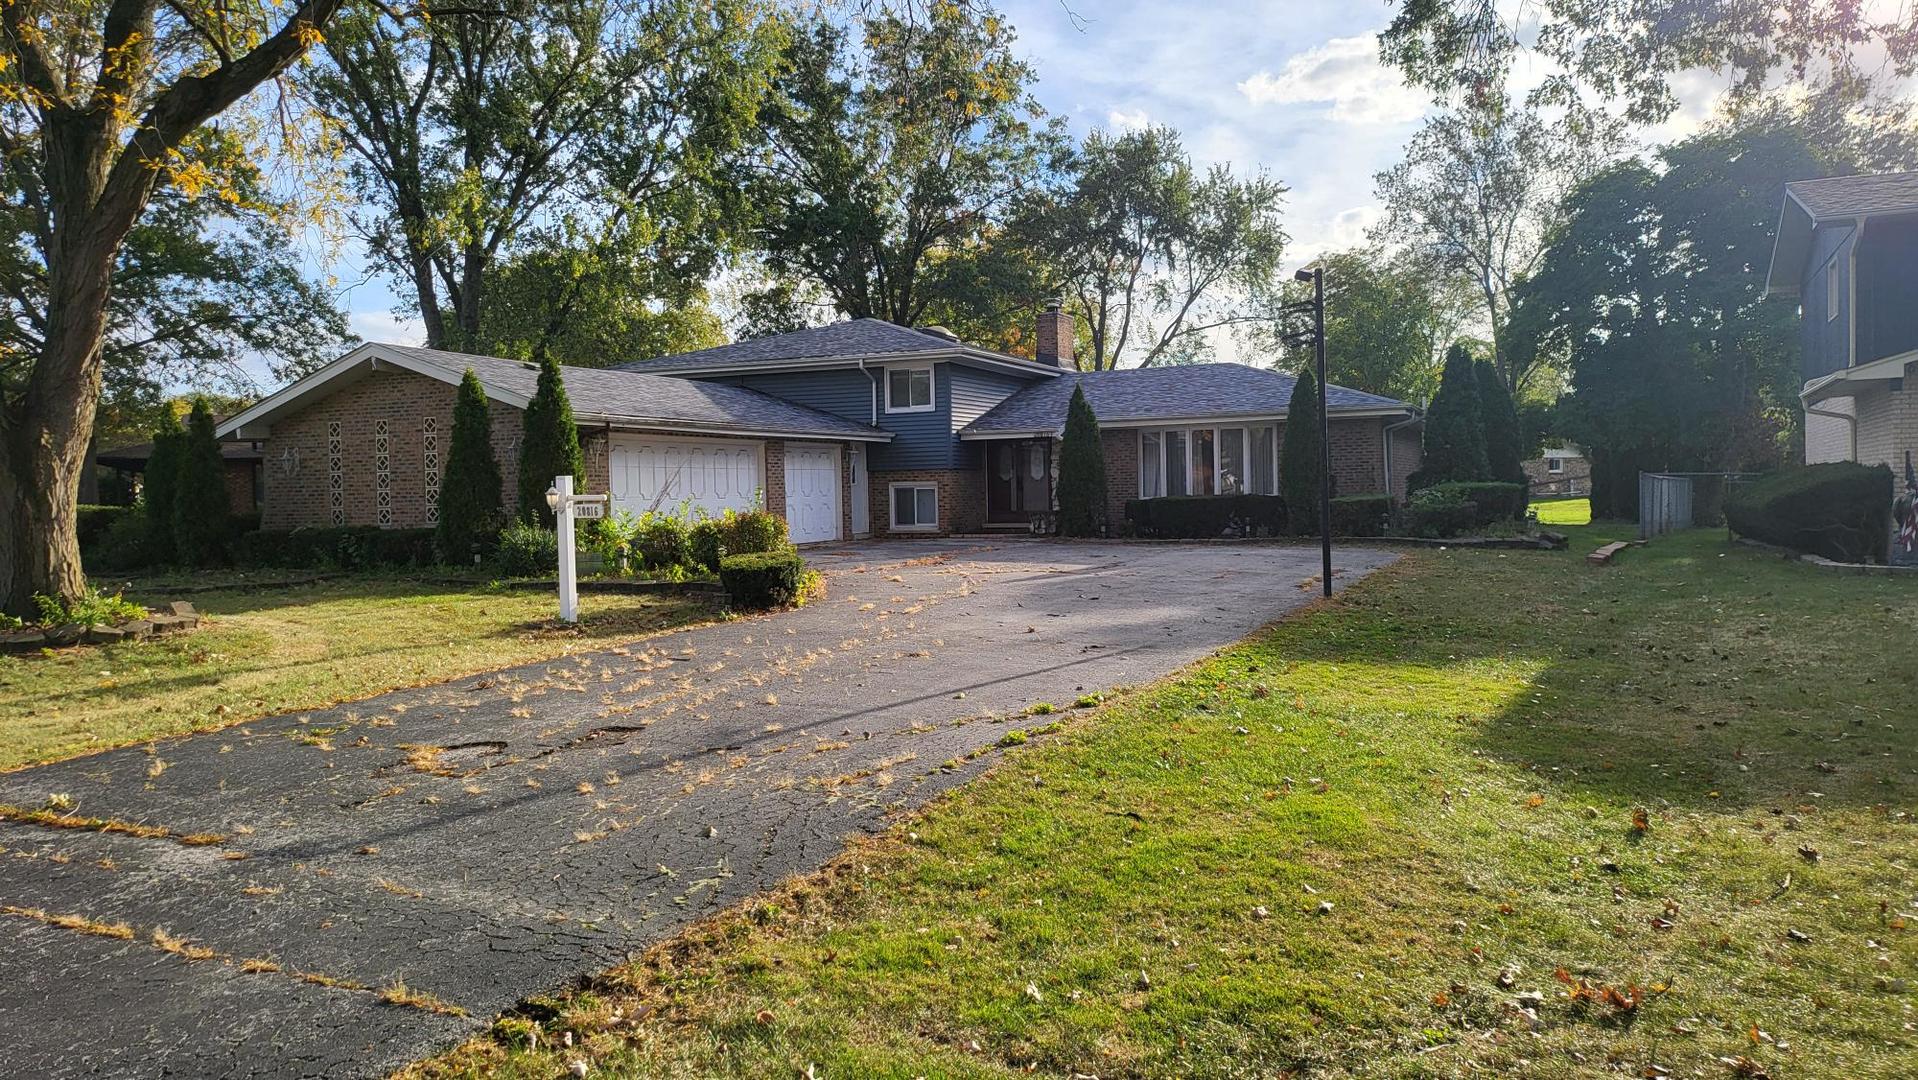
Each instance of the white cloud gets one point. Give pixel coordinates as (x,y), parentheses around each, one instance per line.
(385,326)
(1121,120)
(1346,229)
(1344,73)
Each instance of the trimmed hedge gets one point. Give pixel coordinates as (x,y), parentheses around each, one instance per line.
(348,547)
(90,523)
(1361,515)
(1437,514)
(1493,501)
(753,532)
(762,579)
(1840,509)
(1204,517)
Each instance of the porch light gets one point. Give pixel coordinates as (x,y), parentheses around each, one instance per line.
(552,498)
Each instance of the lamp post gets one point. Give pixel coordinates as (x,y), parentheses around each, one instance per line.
(1315,276)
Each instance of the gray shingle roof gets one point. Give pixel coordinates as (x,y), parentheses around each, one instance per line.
(857,337)
(613,394)
(1845,196)
(1163,393)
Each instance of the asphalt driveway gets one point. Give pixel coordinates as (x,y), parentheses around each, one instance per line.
(481,841)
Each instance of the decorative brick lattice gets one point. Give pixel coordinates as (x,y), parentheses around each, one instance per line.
(335,474)
(430,465)
(382,473)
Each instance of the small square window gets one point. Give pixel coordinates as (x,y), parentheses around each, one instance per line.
(1555,465)
(909,389)
(915,507)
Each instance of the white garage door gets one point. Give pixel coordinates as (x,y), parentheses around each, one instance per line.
(650,472)
(812,492)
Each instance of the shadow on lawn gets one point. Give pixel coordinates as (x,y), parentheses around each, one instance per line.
(1688,673)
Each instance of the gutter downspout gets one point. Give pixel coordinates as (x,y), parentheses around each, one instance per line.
(874,381)
(1385,433)
(1851,422)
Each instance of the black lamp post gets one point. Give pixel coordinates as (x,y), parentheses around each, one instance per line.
(1316,276)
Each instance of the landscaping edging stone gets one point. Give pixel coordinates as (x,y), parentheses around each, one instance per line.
(177,617)
(1545,541)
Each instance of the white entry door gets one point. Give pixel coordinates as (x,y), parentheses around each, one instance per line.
(812,492)
(861,501)
(651,472)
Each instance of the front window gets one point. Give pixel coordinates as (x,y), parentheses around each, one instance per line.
(909,389)
(915,507)
(1209,461)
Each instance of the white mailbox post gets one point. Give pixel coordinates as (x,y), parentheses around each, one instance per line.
(566,506)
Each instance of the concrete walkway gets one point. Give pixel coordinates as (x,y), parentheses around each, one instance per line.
(496,837)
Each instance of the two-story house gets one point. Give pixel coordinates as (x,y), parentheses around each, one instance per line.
(1847,251)
(859,428)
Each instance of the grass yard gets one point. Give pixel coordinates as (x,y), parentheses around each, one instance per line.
(1488,813)
(1559,512)
(299,648)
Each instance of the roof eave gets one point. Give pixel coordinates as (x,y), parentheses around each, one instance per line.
(744,431)
(814,363)
(1349,412)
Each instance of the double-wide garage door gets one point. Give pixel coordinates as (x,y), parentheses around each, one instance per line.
(657,472)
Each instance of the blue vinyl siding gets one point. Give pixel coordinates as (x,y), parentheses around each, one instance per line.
(1888,288)
(1826,341)
(921,440)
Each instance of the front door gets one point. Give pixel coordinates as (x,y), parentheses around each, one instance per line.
(1018,480)
(812,492)
(861,503)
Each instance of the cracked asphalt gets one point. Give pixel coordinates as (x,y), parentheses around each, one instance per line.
(496,837)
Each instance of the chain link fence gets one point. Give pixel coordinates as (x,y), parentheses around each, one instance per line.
(1670,501)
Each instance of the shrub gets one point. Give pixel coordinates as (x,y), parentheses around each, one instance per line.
(1203,517)
(91,608)
(1841,510)
(706,541)
(92,523)
(126,545)
(158,483)
(527,551)
(661,542)
(612,539)
(345,547)
(1454,433)
(1361,515)
(1498,420)
(1439,513)
(755,531)
(762,579)
(469,490)
(1082,470)
(549,446)
(199,501)
(1300,456)
(1493,501)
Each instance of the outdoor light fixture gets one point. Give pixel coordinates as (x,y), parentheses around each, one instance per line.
(552,498)
(1305,274)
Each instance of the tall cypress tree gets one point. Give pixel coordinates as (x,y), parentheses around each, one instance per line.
(1498,418)
(1082,470)
(469,488)
(1299,464)
(158,482)
(550,446)
(1454,435)
(200,506)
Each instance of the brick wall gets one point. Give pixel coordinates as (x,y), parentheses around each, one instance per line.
(962,499)
(302,462)
(1574,477)
(238,477)
(1122,473)
(1828,438)
(1887,426)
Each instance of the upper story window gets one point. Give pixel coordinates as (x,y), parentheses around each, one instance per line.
(1555,465)
(1831,290)
(909,389)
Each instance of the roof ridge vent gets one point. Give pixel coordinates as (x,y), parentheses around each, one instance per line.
(939,332)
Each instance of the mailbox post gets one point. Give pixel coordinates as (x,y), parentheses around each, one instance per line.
(566,506)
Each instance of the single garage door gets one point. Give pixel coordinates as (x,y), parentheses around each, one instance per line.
(812,492)
(650,472)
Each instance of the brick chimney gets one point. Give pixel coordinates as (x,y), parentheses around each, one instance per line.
(1056,333)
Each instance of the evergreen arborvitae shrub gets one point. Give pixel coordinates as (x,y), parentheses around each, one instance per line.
(199,498)
(1454,433)
(470,486)
(550,447)
(158,483)
(1300,467)
(1498,419)
(1082,470)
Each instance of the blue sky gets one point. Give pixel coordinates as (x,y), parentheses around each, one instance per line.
(1293,89)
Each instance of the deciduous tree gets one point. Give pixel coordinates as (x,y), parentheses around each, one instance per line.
(111,99)
(1387,322)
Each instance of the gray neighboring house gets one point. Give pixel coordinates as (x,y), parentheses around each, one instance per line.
(859,428)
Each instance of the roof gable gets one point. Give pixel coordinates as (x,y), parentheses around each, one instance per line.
(1137,396)
(598,395)
(1809,204)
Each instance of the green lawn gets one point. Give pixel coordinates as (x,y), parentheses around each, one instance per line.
(265,652)
(1557,512)
(1672,797)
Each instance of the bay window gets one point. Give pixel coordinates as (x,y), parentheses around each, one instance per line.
(1210,460)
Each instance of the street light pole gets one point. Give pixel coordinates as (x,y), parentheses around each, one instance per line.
(1316,276)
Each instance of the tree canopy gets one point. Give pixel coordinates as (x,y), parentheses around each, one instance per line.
(1387,321)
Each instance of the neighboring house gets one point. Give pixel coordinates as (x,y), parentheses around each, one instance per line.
(859,428)
(1561,470)
(1847,251)
(242,470)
